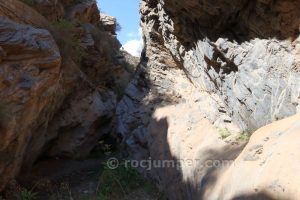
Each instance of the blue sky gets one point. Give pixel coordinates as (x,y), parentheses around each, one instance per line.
(127,14)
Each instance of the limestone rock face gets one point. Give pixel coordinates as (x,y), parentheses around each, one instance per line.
(232,66)
(58,91)
(29,82)
(82,122)
(227,50)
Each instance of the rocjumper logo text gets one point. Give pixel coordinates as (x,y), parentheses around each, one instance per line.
(149,164)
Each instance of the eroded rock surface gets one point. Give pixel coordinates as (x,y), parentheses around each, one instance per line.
(29,75)
(21,13)
(247,53)
(233,65)
(59,83)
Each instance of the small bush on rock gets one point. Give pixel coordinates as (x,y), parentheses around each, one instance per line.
(224,133)
(68,39)
(104,44)
(119,182)
(25,194)
(129,67)
(244,136)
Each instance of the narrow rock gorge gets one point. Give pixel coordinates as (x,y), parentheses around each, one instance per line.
(216,91)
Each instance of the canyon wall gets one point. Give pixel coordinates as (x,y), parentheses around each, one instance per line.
(61,75)
(211,74)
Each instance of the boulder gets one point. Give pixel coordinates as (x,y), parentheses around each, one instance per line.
(109,23)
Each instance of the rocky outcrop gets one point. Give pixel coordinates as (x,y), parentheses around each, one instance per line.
(225,45)
(216,67)
(110,23)
(59,83)
(29,76)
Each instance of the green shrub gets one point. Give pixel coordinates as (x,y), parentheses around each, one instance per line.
(244,136)
(224,133)
(68,39)
(104,43)
(119,182)
(107,149)
(62,192)
(25,194)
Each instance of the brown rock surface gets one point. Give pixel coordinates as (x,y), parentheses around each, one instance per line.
(21,13)
(86,11)
(54,101)
(29,82)
(81,123)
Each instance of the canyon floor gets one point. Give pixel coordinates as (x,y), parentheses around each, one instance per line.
(64,179)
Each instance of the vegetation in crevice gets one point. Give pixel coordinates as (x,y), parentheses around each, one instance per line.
(243,136)
(104,43)
(122,181)
(224,133)
(130,68)
(67,37)
(25,194)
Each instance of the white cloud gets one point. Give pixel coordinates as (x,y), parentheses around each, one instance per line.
(135,46)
